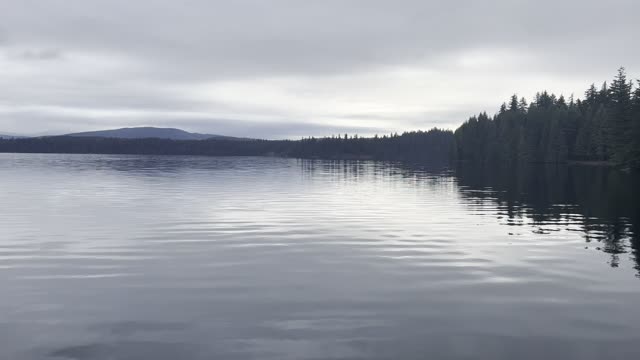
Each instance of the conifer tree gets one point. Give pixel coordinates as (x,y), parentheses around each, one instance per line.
(621,107)
(603,126)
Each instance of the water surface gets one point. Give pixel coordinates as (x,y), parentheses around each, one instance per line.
(141,257)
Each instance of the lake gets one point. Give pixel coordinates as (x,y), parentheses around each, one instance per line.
(109,257)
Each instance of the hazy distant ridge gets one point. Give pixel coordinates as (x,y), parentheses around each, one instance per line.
(7,136)
(148,132)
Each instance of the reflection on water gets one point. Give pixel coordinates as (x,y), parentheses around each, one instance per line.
(133,257)
(600,203)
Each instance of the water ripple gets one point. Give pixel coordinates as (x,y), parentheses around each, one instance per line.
(131,257)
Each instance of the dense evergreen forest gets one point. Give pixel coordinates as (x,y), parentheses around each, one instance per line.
(433,145)
(604,126)
(415,146)
(149,146)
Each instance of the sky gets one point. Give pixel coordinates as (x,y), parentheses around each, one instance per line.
(292,68)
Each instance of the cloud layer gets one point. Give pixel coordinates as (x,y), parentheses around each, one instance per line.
(290,68)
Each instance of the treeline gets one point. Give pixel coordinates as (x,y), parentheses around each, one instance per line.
(149,146)
(415,146)
(605,126)
(432,145)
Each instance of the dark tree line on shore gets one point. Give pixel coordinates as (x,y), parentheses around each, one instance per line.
(604,126)
(415,146)
(150,146)
(412,146)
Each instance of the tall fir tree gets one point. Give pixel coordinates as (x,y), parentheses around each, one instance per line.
(635,128)
(621,112)
(605,126)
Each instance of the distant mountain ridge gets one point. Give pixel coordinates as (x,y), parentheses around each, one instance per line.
(9,136)
(149,132)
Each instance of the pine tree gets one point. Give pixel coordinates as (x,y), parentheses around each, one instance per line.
(600,136)
(525,153)
(591,95)
(635,129)
(562,103)
(605,126)
(620,98)
(556,147)
(513,103)
(603,94)
(583,148)
(523,106)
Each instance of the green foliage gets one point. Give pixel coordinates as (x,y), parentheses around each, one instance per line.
(605,126)
(431,146)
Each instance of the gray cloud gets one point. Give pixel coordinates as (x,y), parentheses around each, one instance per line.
(301,63)
(39,54)
(273,129)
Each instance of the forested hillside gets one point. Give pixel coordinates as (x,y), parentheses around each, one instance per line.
(432,145)
(604,126)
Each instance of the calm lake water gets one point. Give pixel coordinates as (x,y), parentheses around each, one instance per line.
(164,258)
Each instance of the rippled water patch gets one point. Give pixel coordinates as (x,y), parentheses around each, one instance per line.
(131,257)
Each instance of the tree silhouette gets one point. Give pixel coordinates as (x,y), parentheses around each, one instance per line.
(605,126)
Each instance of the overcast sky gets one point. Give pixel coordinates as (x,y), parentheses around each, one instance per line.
(292,68)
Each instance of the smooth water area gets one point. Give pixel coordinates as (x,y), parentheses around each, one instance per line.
(111,257)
